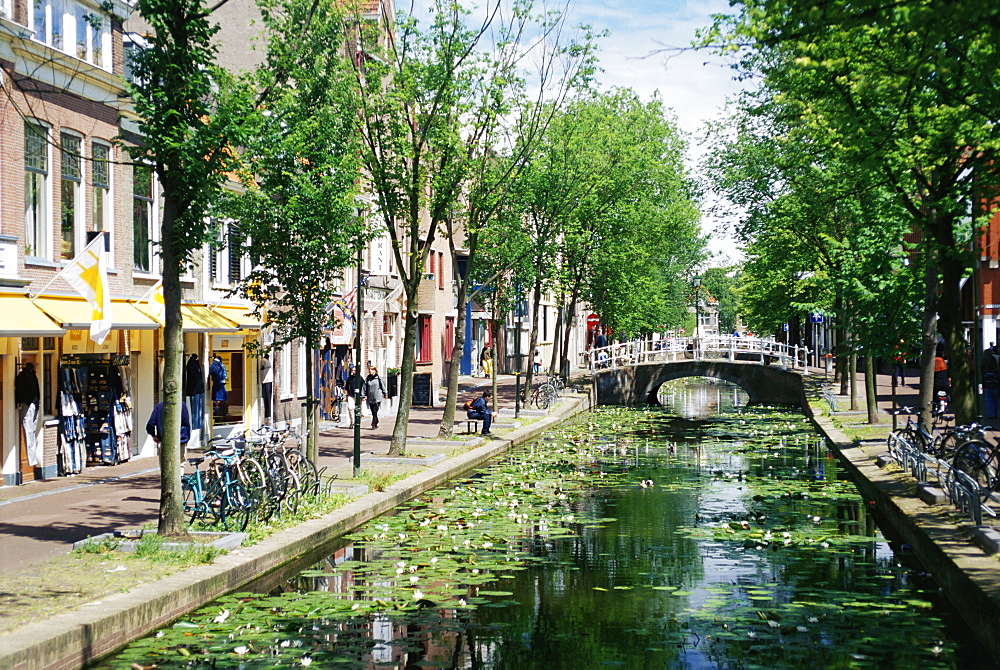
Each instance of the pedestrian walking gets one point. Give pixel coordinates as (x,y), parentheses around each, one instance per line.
(480,411)
(355,388)
(537,361)
(154,426)
(376,393)
(486,361)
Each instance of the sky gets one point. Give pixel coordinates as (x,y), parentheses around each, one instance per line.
(695,85)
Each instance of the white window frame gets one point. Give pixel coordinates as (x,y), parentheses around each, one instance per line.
(285,372)
(153,218)
(301,369)
(72,156)
(60,23)
(5,10)
(106,221)
(39,244)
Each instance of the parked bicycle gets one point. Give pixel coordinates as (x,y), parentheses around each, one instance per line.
(216,494)
(543,395)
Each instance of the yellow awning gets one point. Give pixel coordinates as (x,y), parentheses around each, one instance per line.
(75,314)
(21,318)
(200,319)
(241,316)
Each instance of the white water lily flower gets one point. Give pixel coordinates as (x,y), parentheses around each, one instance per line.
(813,619)
(306,661)
(402,536)
(418,595)
(413,568)
(475,571)
(355,606)
(467,543)
(241,650)
(773,624)
(434,560)
(223,615)
(414,579)
(442,511)
(400,571)
(487,545)
(442,527)
(159,633)
(285,644)
(461,602)
(801,629)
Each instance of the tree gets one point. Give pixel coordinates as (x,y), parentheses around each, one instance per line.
(898,90)
(421,93)
(297,213)
(188,126)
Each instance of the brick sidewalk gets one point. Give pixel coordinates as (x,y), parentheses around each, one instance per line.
(42,519)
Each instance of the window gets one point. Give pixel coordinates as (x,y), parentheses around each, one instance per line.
(440,272)
(75,28)
(100,179)
(36,190)
(142,218)
(70,196)
(235,246)
(225,254)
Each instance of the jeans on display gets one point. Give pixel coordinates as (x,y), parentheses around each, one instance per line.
(265,393)
(197,408)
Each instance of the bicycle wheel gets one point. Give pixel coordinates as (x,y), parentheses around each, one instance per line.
(237,507)
(558,383)
(908,435)
(193,509)
(306,471)
(255,480)
(945,445)
(974,459)
(540,399)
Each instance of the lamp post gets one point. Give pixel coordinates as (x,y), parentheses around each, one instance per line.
(696,281)
(362,278)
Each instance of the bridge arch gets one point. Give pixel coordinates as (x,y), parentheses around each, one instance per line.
(639,384)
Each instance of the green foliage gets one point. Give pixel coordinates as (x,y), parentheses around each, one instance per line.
(297,212)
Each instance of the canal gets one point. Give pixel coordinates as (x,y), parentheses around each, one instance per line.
(705,534)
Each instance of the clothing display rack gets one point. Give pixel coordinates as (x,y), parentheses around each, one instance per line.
(96,411)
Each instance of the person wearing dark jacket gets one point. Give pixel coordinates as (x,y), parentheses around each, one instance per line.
(220,397)
(354,394)
(480,411)
(154,426)
(376,393)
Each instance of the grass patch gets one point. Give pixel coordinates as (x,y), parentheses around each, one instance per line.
(379,481)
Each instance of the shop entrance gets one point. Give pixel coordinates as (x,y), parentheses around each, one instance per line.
(95,422)
(235,406)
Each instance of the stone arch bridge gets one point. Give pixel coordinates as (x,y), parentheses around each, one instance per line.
(640,383)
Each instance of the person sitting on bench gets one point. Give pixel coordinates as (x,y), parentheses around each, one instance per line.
(480,411)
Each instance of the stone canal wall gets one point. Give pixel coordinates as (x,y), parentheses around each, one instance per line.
(96,630)
(940,540)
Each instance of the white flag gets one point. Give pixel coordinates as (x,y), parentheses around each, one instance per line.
(153,302)
(88,274)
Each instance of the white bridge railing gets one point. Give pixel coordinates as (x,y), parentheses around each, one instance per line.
(712,347)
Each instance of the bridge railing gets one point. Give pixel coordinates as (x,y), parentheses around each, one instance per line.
(711,347)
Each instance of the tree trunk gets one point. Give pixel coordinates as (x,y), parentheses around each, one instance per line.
(451,396)
(928,335)
(854,381)
(536,299)
(871,391)
(171,517)
(963,381)
(398,444)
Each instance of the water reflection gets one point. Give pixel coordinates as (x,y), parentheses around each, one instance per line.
(705,535)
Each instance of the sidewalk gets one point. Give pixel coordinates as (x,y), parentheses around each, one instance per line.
(41,520)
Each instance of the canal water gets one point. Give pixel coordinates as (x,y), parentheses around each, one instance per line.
(705,534)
